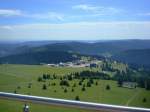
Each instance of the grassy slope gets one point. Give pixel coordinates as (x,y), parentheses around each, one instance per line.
(22,75)
(10,106)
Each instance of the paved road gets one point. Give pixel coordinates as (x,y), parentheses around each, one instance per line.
(72,103)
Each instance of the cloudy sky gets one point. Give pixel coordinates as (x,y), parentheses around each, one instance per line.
(74,19)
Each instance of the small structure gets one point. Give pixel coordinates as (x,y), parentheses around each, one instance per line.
(93,65)
(52,65)
(130,85)
(26,108)
(61,64)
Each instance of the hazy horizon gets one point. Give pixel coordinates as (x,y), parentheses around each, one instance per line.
(86,41)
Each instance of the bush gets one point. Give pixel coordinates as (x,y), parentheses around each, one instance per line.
(18,87)
(83,79)
(83,89)
(39,79)
(69,77)
(44,86)
(91,81)
(107,87)
(88,84)
(96,83)
(29,85)
(61,78)
(77,98)
(144,100)
(80,83)
(44,76)
(72,90)
(54,76)
(15,91)
(64,83)
(65,90)
(54,84)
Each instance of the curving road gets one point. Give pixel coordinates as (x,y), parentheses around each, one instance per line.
(72,103)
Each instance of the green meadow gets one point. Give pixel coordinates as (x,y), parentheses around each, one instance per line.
(18,77)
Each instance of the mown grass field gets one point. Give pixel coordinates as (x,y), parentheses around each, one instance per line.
(12,76)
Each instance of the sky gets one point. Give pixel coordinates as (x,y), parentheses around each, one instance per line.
(27,20)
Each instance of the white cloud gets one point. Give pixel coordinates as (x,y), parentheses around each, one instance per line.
(77,31)
(6,27)
(86,7)
(10,12)
(45,15)
(144,14)
(48,15)
(97,9)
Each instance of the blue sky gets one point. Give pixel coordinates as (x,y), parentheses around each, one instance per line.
(74,19)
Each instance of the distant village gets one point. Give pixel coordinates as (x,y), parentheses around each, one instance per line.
(78,63)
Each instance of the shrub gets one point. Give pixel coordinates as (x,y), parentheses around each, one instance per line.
(54,76)
(77,98)
(107,87)
(61,78)
(44,76)
(144,100)
(65,90)
(91,81)
(18,87)
(29,85)
(96,83)
(80,83)
(64,83)
(83,88)
(69,77)
(15,91)
(44,86)
(88,84)
(72,90)
(54,84)
(39,79)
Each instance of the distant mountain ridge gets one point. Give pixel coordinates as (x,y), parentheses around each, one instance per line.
(97,48)
(92,48)
(116,49)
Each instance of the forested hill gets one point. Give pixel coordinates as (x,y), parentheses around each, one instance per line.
(134,57)
(39,57)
